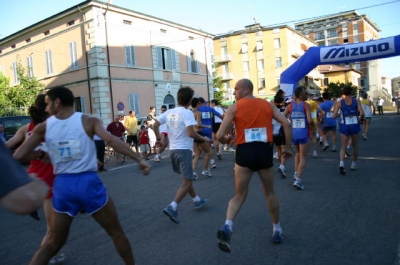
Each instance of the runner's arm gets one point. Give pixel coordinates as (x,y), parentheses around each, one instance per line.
(19,137)
(25,153)
(226,123)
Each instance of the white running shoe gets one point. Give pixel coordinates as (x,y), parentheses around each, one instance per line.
(206,173)
(315,154)
(276,155)
(157,158)
(353,165)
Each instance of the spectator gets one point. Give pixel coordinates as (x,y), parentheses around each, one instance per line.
(396,99)
(116,128)
(143,136)
(379,105)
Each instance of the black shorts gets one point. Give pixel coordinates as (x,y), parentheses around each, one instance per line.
(255,155)
(132,138)
(199,141)
(215,127)
(279,139)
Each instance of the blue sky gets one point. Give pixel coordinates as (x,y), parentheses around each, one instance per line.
(219,16)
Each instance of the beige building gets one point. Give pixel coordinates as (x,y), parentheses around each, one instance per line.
(113,59)
(335,73)
(261,55)
(344,28)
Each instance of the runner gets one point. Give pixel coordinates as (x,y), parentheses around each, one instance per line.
(313,128)
(215,127)
(279,136)
(180,122)
(164,132)
(328,122)
(253,119)
(300,117)
(367,108)
(349,126)
(77,187)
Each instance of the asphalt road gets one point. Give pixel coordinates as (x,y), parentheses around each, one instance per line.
(352,219)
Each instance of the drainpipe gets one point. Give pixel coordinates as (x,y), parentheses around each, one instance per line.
(205,53)
(87,65)
(108,63)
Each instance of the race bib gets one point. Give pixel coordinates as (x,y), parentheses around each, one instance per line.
(313,114)
(329,114)
(206,115)
(351,120)
(298,123)
(172,120)
(65,151)
(255,135)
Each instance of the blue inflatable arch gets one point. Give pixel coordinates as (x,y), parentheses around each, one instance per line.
(362,51)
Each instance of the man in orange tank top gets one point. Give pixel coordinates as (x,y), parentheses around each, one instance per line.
(253,121)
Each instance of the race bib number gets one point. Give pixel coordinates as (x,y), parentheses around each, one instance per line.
(65,151)
(255,135)
(206,115)
(313,115)
(172,120)
(329,114)
(298,123)
(351,120)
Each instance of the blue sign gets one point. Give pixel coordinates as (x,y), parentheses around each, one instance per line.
(120,106)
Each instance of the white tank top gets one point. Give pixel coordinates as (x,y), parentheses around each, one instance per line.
(70,148)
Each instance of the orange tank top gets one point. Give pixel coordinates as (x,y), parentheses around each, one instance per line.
(253,121)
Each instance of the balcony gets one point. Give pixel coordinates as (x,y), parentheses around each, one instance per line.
(223,58)
(227,76)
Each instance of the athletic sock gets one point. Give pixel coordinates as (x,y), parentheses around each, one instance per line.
(277,227)
(196,199)
(174,205)
(229,223)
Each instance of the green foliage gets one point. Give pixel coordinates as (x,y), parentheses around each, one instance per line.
(217,83)
(334,89)
(18,98)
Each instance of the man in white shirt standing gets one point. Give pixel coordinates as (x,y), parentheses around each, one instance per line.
(180,122)
(215,126)
(379,104)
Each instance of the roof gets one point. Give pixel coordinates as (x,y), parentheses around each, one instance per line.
(325,68)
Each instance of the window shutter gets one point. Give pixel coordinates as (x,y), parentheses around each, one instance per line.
(198,67)
(72,54)
(133,59)
(49,64)
(128,55)
(173,59)
(83,104)
(15,69)
(244,48)
(159,58)
(134,103)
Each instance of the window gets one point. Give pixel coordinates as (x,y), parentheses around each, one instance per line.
(15,72)
(224,50)
(355,38)
(244,35)
(191,38)
(332,42)
(2,70)
(332,33)
(357,65)
(193,63)
(80,104)
(49,62)
(13,46)
(244,48)
(130,55)
(326,81)
(261,83)
(127,22)
(259,46)
(166,58)
(321,43)
(134,103)
(259,33)
(319,35)
(28,40)
(260,65)
(278,62)
(277,43)
(29,66)
(245,66)
(163,30)
(277,30)
(70,23)
(72,55)
(278,81)
(46,33)
(355,26)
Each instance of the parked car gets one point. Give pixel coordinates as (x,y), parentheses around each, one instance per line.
(11,124)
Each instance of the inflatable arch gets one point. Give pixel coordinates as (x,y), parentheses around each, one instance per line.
(362,51)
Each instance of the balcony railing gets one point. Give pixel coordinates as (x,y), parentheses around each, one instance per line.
(223,58)
(227,76)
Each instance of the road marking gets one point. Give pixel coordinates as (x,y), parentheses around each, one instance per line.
(135,163)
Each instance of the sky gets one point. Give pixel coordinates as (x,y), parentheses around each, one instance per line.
(221,16)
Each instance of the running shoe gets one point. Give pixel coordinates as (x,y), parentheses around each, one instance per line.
(341,170)
(365,137)
(276,155)
(157,158)
(35,215)
(219,156)
(295,176)
(315,154)
(195,177)
(277,237)
(231,150)
(326,146)
(333,148)
(172,214)
(200,204)
(347,153)
(321,141)
(213,165)
(206,173)
(297,184)
(353,165)
(58,258)
(282,172)
(224,239)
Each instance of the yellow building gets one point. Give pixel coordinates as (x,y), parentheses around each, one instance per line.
(261,55)
(113,59)
(335,73)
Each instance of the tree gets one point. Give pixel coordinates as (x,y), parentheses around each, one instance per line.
(15,100)
(217,83)
(334,89)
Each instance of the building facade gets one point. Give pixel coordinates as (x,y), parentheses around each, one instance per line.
(113,59)
(261,55)
(335,73)
(344,28)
